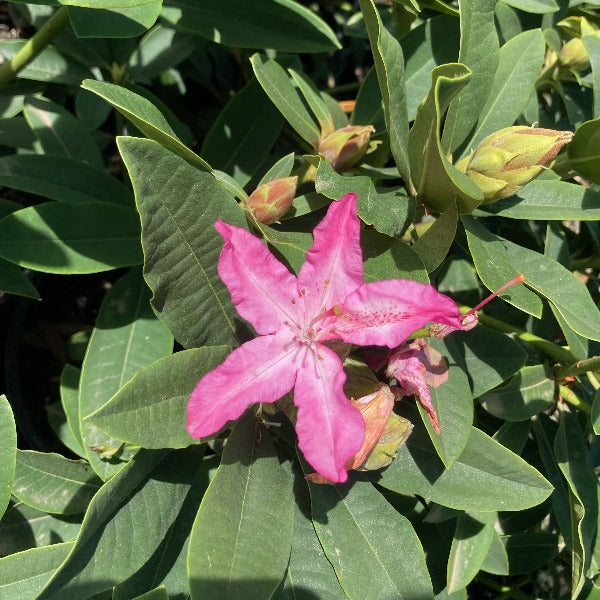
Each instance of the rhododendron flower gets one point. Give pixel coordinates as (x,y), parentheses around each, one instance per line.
(295,318)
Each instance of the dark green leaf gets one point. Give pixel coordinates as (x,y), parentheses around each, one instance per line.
(127,337)
(284,25)
(150,410)
(69,399)
(592,45)
(179,206)
(241,539)
(584,156)
(8,452)
(14,281)
(432,247)
(71,238)
(527,552)
(353,522)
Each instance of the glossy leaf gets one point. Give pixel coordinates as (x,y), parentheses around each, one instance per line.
(145,116)
(479,48)
(69,399)
(470,545)
(241,539)
(438,182)
(23,575)
(518,68)
(8,452)
(285,25)
(122,516)
(179,206)
(583,152)
(389,65)
(128,21)
(150,410)
(71,238)
(523,396)
(14,281)
(485,477)
(573,459)
(243,134)
(549,200)
(61,133)
(61,178)
(127,337)
(52,483)
(353,522)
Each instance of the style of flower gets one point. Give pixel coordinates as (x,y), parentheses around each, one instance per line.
(295,318)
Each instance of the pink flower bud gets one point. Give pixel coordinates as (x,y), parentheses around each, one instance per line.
(346,146)
(271,200)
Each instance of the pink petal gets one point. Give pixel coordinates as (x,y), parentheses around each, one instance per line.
(330,430)
(334,265)
(385,313)
(261,370)
(263,291)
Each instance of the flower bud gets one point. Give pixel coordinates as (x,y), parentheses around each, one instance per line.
(574,55)
(346,146)
(271,200)
(508,159)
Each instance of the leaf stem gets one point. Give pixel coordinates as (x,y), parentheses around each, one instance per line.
(568,395)
(578,367)
(34,45)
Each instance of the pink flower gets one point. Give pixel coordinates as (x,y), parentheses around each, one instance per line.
(295,318)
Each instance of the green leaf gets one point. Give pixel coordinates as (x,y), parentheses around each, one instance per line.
(136,510)
(386,258)
(23,527)
(546,200)
(470,545)
(518,69)
(496,560)
(438,181)
(353,522)
(8,452)
(241,539)
(243,134)
(14,281)
(284,25)
(495,267)
(432,247)
(159,593)
(61,178)
(129,21)
(574,461)
(150,410)
(309,573)
(146,117)
(61,133)
(592,45)
(54,484)
(179,206)
(282,168)
(71,238)
(368,109)
(49,65)
(485,477)
(390,213)
(23,575)
(127,337)
(527,552)
(534,6)
(313,99)
(69,399)
(279,88)
(434,42)
(479,48)
(389,64)
(583,152)
(488,356)
(526,394)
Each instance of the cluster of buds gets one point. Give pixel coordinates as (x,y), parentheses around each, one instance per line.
(345,147)
(508,159)
(271,200)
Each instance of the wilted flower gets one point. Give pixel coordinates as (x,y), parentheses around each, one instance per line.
(295,318)
(346,146)
(271,200)
(508,159)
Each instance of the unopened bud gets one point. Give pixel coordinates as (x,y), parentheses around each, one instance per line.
(508,159)
(271,200)
(574,55)
(346,146)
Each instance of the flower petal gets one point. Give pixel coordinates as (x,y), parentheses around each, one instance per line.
(385,313)
(263,291)
(261,370)
(330,430)
(334,265)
